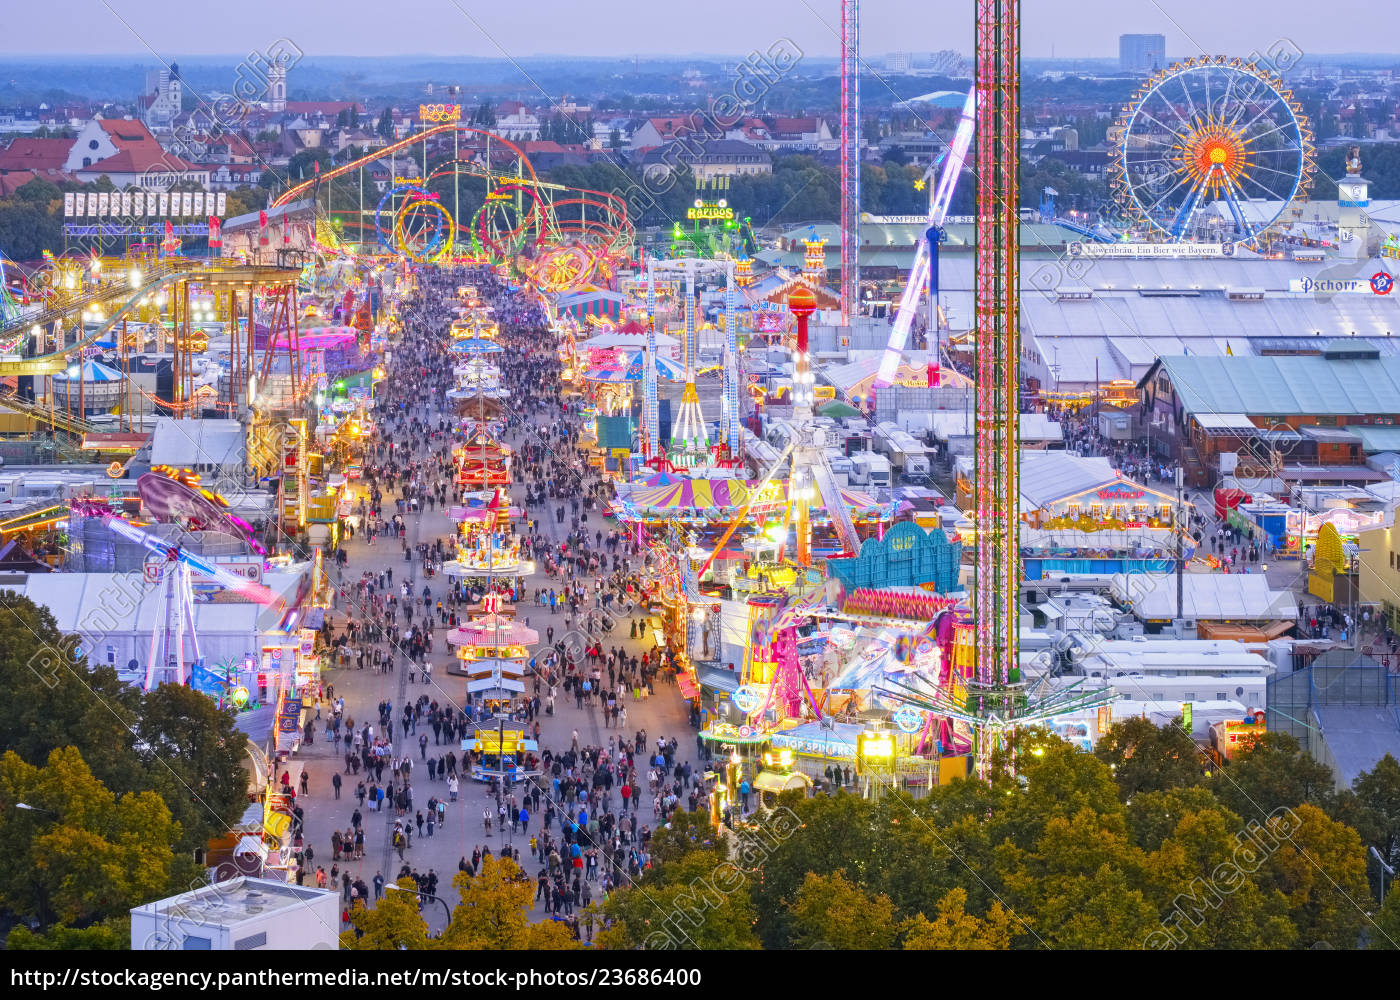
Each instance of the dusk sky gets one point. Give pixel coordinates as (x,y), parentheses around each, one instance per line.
(1064,28)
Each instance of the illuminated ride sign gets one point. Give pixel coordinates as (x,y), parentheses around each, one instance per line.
(440,112)
(1120,493)
(709,211)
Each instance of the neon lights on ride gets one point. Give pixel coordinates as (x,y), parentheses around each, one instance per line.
(709,211)
(940,198)
(1213,129)
(439,112)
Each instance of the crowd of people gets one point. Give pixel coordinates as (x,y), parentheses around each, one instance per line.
(581,815)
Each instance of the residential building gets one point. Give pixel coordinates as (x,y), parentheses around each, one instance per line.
(227,176)
(37,157)
(516,122)
(1142,53)
(1378,570)
(719,158)
(810,132)
(125,151)
(160,105)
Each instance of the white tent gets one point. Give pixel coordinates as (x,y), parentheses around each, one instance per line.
(1226,597)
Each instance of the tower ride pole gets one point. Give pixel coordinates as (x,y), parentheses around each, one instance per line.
(995,687)
(850,159)
(653,422)
(731,362)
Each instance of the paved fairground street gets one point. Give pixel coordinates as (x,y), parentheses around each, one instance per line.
(412,457)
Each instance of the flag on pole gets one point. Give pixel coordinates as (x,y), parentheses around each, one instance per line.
(216,233)
(262,232)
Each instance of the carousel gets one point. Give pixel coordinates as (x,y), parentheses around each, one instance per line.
(493,654)
(482,460)
(487,549)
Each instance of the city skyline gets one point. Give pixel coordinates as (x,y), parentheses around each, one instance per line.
(1084,30)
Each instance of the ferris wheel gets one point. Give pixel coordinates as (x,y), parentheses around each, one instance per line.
(1213,130)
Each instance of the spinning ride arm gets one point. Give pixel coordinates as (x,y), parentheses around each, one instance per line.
(940,198)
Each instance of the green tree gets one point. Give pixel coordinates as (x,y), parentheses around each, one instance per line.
(1378,792)
(1274,773)
(1200,877)
(1079,887)
(26,230)
(954,929)
(112,934)
(172,740)
(839,833)
(699,901)
(39,192)
(1147,758)
(1385,933)
(394,923)
(82,853)
(831,912)
(194,757)
(385,128)
(494,913)
(1320,871)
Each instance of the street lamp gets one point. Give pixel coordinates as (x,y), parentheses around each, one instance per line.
(395,887)
(28,808)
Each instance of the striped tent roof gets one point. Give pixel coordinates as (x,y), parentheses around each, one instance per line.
(95,372)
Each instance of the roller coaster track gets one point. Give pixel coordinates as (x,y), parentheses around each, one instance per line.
(40,414)
(219,274)
(75,303)
(613,203)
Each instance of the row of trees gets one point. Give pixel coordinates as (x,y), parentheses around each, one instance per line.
(493,914)
(1136,846)
(123,787)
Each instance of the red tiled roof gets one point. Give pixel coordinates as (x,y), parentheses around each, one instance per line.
(13,181)
(35,154)
(140,159)
(137,150)
(798,125)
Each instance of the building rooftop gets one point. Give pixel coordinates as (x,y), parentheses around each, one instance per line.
(235,901)
(1358,737)
(186,443)
(1285,385)
(1205,597)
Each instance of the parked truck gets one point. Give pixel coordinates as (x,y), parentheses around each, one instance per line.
(869,469)
(908,457)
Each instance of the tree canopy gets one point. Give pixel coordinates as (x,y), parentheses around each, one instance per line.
(1135,846)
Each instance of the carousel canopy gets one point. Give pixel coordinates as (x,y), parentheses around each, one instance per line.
(691,494)
(617,338)
(475,345)
(582,304)
(94,372)
(493,630)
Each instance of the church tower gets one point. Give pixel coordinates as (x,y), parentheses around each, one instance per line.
(277,86)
